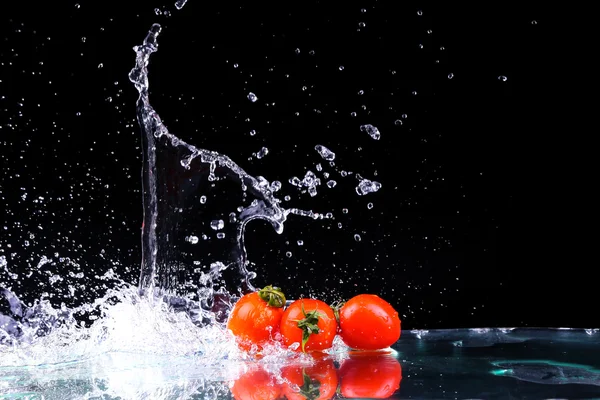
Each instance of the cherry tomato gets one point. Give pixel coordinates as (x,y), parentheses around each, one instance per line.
(316,382)
(256,384)
(309,322)
(370,376)
(367,322)
(256,316)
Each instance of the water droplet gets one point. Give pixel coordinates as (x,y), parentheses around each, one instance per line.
(157,11)
(77,5)
(420,12)
(366,186)
(353,114)
(325,153)
(220,235)
(275,186)
(341,67)
(252,132)
(83,39)
(100,65)
(217,224)
(502,78)
(339,225)
(300,243)
(371,130)
(312,52)
(331,184)
(192,239)
(235,65)
(297,51)
(414,92)
(363,10)
(252,97)
(450,75)
(263,152)
(534,22)
(370,206)
(404,116)
(429,31)
(202,199)
(362,24)
(288,254)
(361,92)
(344,210)
(397,122)
(180,3)
(357,237)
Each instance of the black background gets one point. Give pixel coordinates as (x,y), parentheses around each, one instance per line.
(468,228)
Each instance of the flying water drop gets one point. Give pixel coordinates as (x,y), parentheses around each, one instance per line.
(217,224)
(325,153)
(366,186)
(371,130)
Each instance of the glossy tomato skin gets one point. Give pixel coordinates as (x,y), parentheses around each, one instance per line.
(367,322)
(370,376)
(291,333)
(322,372)
(256,384)
(253,321)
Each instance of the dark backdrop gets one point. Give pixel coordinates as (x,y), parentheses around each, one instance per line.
(466,229)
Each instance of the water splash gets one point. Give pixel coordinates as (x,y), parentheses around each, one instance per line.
(185,163)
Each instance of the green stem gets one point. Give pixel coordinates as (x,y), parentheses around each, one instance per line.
(273,296)
(336,306)
(308,325)
(311,388)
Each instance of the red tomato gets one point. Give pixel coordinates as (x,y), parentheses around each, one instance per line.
(370,376)
(255,317)
(367,322)
(309,322)
(317,382)
(256,384)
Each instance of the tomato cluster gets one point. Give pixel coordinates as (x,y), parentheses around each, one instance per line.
(365,322)
(362,375)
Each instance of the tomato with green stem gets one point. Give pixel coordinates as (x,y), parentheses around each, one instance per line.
(367,322)
(309,322)
(255,317)
(315,382)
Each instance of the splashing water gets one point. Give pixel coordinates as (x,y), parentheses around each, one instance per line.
(185,292)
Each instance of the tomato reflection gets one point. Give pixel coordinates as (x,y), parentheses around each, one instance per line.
(316,382)
(370,375)
(256,384)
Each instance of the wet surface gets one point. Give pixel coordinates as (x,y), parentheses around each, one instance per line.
(440,364)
